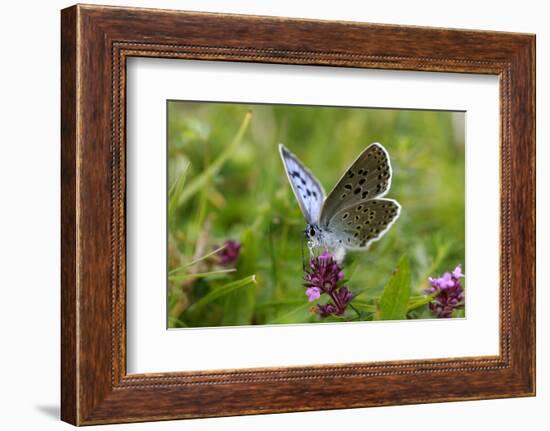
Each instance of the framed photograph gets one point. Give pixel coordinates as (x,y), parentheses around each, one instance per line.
(266,215)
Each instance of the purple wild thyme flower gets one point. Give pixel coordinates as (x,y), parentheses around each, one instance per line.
(325,310)
(457,272)
(325,276)
(324,273)
(450,293)
(229,254)
(313,293)
(344,297)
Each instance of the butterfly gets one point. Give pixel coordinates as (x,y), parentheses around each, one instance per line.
(354,214)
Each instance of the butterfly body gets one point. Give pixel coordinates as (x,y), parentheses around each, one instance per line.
(354,214)
(318,237)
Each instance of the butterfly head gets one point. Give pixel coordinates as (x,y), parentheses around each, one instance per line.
(313,235)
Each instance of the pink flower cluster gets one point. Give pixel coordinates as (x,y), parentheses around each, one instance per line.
(449,293)
(325,276)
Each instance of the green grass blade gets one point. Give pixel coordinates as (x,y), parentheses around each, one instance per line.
(220,292)
(175,191)
(215,166)
(187,265)
(182,277)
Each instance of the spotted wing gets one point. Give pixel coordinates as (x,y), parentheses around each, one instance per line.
(306,188)
(359,225)
(368,177)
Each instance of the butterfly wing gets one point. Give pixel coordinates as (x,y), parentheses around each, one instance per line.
(361,224)
(368,177)
(306,188)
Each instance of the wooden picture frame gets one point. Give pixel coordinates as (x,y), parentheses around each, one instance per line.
(96,41)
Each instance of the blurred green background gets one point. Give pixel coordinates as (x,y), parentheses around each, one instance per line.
(226,181)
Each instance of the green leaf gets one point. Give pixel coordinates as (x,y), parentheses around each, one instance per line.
(220,292)
(199,181)
(394,300)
